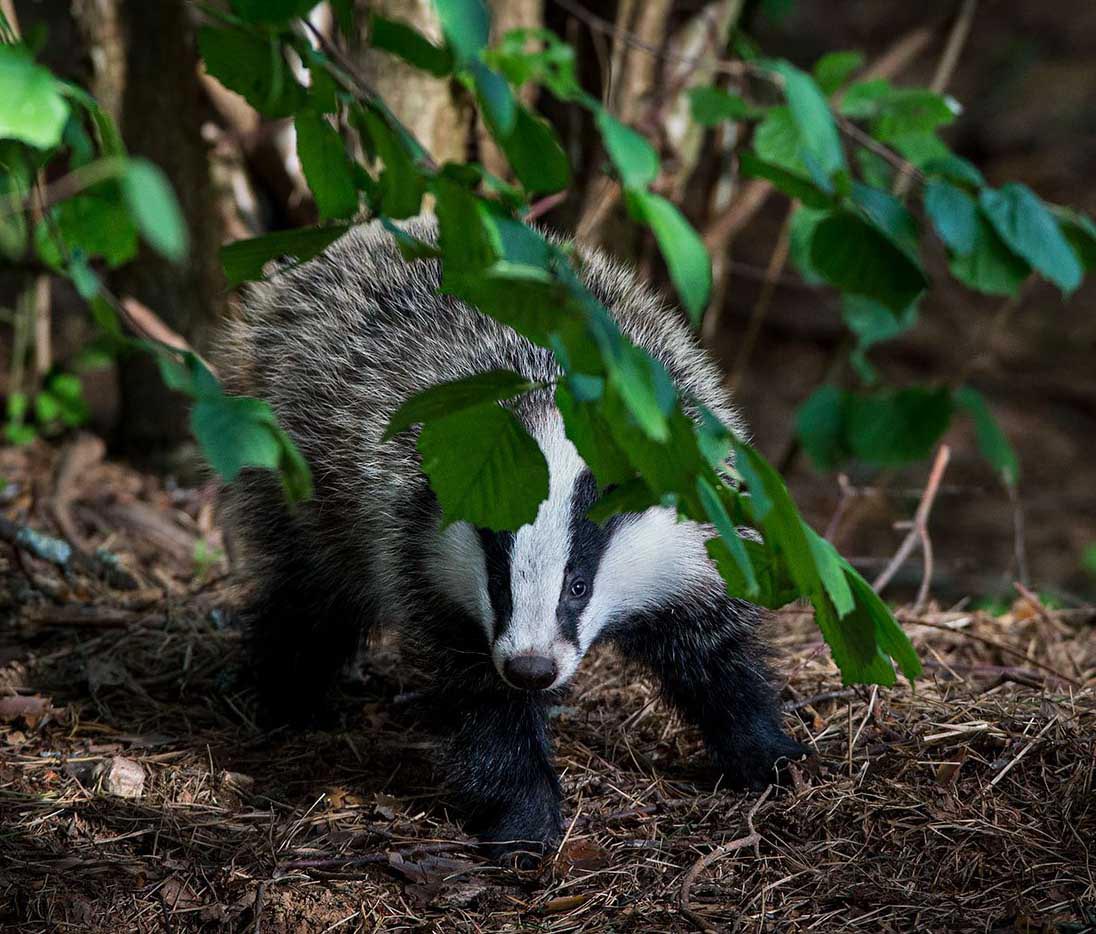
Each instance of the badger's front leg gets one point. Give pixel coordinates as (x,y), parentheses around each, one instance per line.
(499,763)
(712,667)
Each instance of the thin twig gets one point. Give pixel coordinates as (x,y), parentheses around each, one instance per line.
(753,838)
(953,48)
(761,307)
(1023,752)
(1000,646)
(919,531)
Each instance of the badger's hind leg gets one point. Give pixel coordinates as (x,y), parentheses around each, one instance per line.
(299,637)
(714,670)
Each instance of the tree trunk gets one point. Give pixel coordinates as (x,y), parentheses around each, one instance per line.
(161,119)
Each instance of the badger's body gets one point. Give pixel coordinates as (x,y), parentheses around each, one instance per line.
(335,345)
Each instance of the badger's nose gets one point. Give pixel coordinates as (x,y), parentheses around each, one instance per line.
(530,672)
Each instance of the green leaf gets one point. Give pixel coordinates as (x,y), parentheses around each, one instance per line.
(235,432)
(1080,231)
(956,169)
(874,169)
(155,209)
(804,222)
(271,11)
(402,184)
(889,216)
(32,108)
(792,184)
(592,437)
(467,26)
(252,66)
(772,507)
(828,563)
(895,427)
(912,111)
(719,517)
(853,255)
(835,68)
(455,396)
(990,267)
(777,140)
(344,16)
(889,636)
(409,44)
(865,99)
(872,323)
(710,106)
(992,441)
(812,116)
(538,56)
(535,154)
(885,428)
(630,496)
(1029,229)
(820,426)
(96,223)
(243,260)
(326,166)
(635,159)
(496,99)
(682,248)
(484,467)
(954,215)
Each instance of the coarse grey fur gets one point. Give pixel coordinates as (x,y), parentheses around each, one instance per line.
(335,345)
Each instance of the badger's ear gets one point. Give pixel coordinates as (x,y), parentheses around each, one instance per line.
(650,561)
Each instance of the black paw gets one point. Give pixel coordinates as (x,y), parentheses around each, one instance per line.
(754,766)
(522,836)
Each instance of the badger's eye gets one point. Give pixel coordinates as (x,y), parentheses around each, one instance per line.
(578,587)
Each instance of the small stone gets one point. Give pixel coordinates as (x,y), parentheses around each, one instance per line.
(123,777)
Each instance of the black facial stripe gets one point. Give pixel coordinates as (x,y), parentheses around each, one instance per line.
(497,549)
(588,542)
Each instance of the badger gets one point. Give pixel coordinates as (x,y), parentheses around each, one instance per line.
(502,620)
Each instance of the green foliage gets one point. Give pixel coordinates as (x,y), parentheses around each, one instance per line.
(32,107)
(326,166)
(58,405)
(954,215)
(456,396)
(820,145)
(1028,228)
(410,45)
(251,64)
(243,260)
(853,254)
(710,106)
(835,68)
(235,432)
(992,441)
(153,207)
(484,467)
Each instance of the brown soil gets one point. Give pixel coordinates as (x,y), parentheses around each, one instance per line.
(968,805)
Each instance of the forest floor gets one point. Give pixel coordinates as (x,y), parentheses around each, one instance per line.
(137,793)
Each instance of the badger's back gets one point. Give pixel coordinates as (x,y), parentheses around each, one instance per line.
(337,343)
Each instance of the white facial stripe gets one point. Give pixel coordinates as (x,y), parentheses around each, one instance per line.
(460,571)
(539,556)
(649,560)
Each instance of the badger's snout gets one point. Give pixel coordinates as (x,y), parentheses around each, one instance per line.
(530,672)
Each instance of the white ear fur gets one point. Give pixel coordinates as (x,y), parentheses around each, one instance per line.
(650,560)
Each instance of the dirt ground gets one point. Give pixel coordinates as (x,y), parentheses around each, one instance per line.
(137,793)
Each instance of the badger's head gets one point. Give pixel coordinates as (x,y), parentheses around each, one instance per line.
(545,593)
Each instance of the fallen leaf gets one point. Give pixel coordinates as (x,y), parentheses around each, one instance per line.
(564,903)
(583,853)
(31,710)
(428,869)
